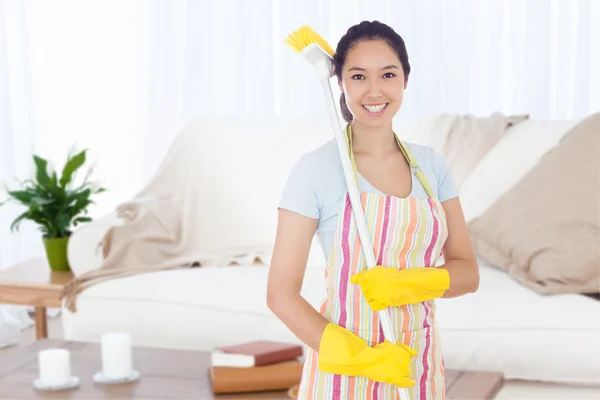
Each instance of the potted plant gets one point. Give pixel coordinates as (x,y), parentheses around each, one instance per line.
(56,204)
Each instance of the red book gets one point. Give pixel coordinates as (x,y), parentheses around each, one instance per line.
(257,353)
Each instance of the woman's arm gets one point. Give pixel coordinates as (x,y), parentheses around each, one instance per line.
(286,274)
(459,256)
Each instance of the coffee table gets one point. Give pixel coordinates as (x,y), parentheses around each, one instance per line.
(33,283)
(165,373)
(173,374)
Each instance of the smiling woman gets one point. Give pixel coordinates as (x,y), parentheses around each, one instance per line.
(371,64)
(414,217)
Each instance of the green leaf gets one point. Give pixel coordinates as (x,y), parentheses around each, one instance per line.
(79,220)
(15,224)
(23,196)
(63,222)
(41,170)
(70,167)
(51,202)
(82,199)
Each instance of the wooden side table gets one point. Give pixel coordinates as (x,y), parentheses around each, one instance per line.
(33,283)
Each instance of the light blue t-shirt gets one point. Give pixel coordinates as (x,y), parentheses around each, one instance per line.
(316,187)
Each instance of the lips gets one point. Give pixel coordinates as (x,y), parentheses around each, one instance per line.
(375,108)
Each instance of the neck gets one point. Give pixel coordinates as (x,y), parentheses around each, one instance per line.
(373,140)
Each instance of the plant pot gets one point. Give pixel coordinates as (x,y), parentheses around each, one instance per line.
(56,253)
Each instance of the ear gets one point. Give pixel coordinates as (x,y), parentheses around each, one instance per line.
(405,84)
(340,86)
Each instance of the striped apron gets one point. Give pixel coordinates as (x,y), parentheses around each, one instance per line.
(405,233)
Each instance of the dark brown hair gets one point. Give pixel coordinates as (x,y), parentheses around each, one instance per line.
(367,30)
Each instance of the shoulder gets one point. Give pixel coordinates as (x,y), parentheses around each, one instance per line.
(315,167)
(309,181)
(322,161)
(325,155)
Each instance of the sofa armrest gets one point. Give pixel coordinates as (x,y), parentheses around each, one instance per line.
(83,249)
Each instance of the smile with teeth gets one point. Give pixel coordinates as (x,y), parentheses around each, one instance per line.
(375,108)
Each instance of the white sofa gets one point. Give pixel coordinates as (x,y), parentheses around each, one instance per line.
(503,327)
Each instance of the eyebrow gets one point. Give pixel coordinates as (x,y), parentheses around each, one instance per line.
(391,66)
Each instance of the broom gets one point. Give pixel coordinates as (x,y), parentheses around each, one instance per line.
(314,49)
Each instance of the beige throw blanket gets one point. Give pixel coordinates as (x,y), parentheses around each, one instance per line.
(164,226)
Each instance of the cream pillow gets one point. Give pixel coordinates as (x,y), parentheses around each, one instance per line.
(519,150)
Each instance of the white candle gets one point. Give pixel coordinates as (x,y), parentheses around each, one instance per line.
(54,367)
(116,356)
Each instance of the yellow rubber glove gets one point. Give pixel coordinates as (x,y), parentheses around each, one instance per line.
(384,287)
(342,352)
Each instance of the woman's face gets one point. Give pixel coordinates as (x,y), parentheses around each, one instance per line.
(373,83)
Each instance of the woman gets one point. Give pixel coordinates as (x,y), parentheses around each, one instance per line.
(414,217)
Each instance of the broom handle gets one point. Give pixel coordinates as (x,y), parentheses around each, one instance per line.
(367,247)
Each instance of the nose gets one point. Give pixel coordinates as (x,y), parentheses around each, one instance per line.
(374,90)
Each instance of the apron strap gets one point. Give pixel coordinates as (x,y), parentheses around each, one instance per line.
(412,162)
(415,168)
(348,135)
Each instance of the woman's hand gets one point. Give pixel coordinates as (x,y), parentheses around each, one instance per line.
(459,275)
(342,352)
(384,287)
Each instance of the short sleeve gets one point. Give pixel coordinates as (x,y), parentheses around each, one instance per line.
(446,185)
(302,190)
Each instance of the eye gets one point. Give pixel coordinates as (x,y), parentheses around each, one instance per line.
(358,77)
(389,75)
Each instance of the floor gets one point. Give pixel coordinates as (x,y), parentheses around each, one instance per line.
(511,390)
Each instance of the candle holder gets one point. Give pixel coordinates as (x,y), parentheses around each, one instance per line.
(101,378)
(55,371)
(117,360)
(71,383)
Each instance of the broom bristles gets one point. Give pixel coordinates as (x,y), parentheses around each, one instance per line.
(305,36)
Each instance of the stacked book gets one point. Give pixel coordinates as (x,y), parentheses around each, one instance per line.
(257,366)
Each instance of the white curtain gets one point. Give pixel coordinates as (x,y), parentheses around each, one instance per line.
(122,77)
(16,144)
(467,56)
(17,128)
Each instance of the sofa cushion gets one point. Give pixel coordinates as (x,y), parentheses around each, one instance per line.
(234,288)
(545,230)
(517,152)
